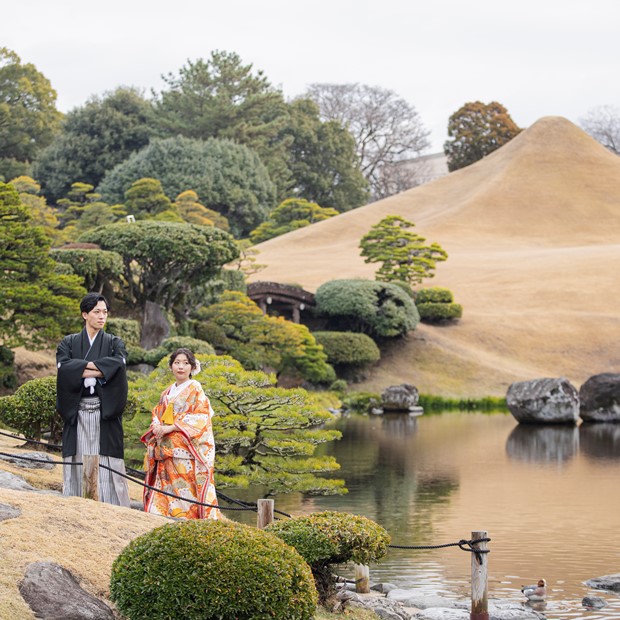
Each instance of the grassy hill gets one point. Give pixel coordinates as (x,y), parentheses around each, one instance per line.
(533,237)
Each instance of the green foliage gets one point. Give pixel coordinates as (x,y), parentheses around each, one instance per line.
(209,570)
(439,312)
(82,209)
(402,253)
(229,177)
(440,403)
(28,114)
(476,130)
(193,212)
(379,309)
(264,435)
(361,402)
(8,378)
(348,348)
(32,409)
(39,306)
(94,138)
(323,160)
(96,267)
(126,329)
(435,305)
(164,261)
(236,326)
(435,294)
(225,99)
(327,538)
(289,215)
(42,214)
(145,199)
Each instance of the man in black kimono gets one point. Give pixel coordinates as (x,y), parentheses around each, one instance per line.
(91,393)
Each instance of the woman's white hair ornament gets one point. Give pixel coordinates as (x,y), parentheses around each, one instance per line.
(197,369)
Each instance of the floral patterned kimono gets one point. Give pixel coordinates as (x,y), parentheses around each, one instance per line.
(182,462)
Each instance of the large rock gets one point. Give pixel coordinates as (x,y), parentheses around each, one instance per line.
(403,397)
(39,456)
(599,398)
(53,593)
(543,401)
(606,582)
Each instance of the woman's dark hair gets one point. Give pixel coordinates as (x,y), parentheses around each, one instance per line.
(90,300)
(183,351)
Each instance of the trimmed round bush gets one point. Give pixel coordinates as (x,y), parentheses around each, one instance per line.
(348,348)
(326,538)
(380,309)
(126,329)
(32,409)
(361,402)
(434,294)
(211,570)
(439,312)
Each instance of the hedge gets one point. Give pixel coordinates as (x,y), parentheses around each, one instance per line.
(211,570)
(348,348)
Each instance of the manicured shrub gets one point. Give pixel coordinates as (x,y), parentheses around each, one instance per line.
(32,409)
(348,348)
(439,312)
(127,329)
(211,570)
(379,309)
(434,294)
(327,538)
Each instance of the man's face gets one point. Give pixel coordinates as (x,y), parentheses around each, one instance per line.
(96,318)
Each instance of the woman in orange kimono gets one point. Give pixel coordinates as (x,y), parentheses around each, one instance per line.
(180,446)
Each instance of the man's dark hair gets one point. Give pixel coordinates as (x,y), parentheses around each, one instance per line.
(90,300)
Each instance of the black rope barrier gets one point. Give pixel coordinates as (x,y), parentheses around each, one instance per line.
(464,545)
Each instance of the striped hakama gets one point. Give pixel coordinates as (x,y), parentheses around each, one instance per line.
(112,488)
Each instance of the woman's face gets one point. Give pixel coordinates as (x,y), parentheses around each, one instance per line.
(96,318)
(181,368)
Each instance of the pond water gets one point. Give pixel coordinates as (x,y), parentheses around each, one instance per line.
(549,498)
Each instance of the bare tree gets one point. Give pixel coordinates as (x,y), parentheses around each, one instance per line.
(386,128)
(603,124)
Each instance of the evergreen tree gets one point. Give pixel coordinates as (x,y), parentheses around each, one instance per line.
(39,306)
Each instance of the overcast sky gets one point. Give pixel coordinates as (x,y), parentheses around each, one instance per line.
(536,57)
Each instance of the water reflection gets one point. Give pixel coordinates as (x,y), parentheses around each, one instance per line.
(543,444)
(600,440)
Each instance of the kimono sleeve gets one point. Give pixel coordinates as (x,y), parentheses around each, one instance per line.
(68,380)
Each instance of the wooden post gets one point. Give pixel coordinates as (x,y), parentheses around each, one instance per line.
(479,579)
(90,476)
(362,578)
(264,514)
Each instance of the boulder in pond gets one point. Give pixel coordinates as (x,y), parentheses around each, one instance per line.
(403,397)
(599,398)
(606,582)
(543,401)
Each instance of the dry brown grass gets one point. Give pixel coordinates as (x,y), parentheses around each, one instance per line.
(533,237)
(83,536)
